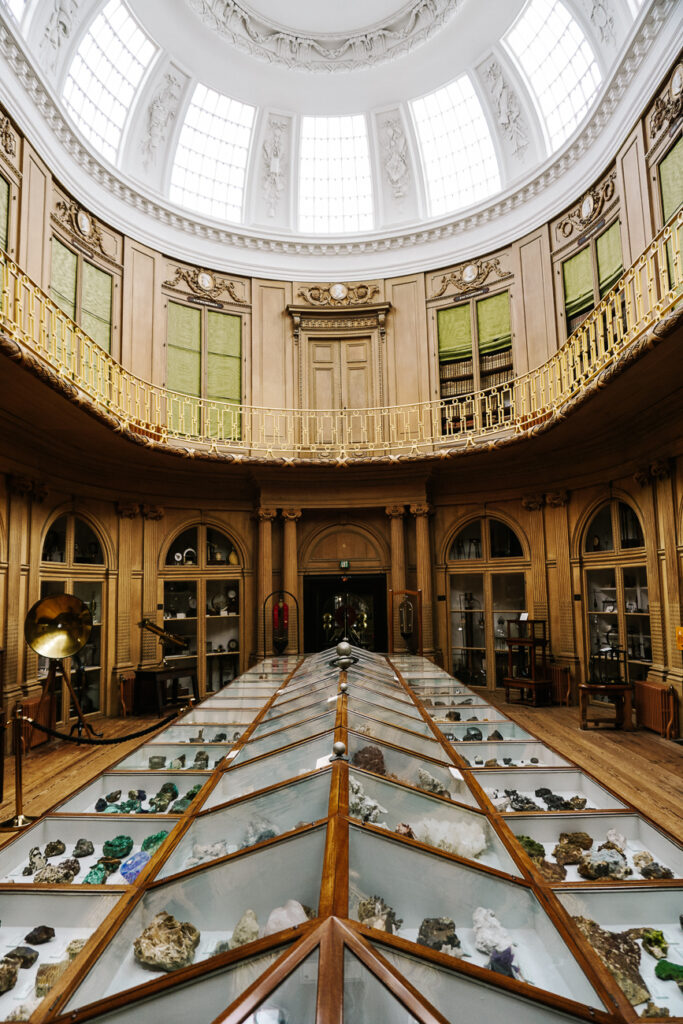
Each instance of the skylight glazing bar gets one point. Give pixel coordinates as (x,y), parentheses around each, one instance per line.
(335,180)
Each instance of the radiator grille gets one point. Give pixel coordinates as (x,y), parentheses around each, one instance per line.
(657,708)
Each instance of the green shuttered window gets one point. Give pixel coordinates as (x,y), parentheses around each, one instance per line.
(577,275)
(671,180)
(455,333)
(183,370)
(4,213)
(63,278)
(96,305)
(224,357)
(493,324)
(608,250)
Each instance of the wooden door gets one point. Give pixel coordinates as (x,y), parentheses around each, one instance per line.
(340,377)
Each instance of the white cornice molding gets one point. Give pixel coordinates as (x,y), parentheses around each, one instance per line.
(138,212)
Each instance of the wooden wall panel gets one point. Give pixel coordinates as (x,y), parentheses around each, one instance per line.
(143,333)
(272,353)
(407,359)
(532,303)
(635,214)
(34,235)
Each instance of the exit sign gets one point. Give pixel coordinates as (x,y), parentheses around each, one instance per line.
(344,563)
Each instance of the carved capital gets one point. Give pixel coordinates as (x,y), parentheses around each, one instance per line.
(26,487)
(152,511)
(660,469)
(421,510)
(395,511)
(533,502)
(127,509)
(557,499)
(265,515)
(291,514)
(642,477)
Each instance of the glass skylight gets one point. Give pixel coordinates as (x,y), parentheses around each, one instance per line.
(211,158)
(105,74)
(556,57)
(16,7)
(335,181)
(458,158)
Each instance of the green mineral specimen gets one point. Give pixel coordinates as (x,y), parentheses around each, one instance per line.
(119,846)
(666,971)
(654,943)
(531,847)
(96,875)
(152,843)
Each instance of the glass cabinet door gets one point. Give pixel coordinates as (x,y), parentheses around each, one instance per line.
(637,617)
(509,600)
(222,632)
(180,614)
(87,677)
(619,615)
(468,635)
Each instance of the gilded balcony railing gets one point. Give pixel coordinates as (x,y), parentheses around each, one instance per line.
(645,294)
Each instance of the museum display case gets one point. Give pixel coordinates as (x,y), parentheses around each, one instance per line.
(388,874)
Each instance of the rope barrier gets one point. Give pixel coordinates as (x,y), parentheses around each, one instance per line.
(100,743)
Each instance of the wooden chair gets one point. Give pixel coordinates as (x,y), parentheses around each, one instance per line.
(608,679)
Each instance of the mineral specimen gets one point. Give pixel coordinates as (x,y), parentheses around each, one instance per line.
(439,933)
(96,876)
(531,847)
(9,969)
(109,864)
(55,848)
(371,758)
(246,930)
(288,916)
(472,734)
(550,872)
(40,934)
(375,913)
(642,858)
(491,763)
(48,975)
(157,761)
(36,861)
(201,760)
(199,738)
(167,793)
(24,955)
(208,851)
(404,830)
(83,848)
(581,839)
(655,870)
(258,832)
(518,802)
(111,798)
(131,868)
(101,805)
(220,737)
(426,781)
(621,956)
(495,735)
(166,944)
(58,874)
(616,837)
(152,843)
(502,961)
(655,1011)
(604,863)
(666,971)
(489,933)
(75,947)
(654,943)
(362,806)
(119,846)
(178,762)
(465,838)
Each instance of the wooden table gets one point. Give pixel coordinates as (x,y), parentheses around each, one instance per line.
(151,686)
(539,688)
(620,693)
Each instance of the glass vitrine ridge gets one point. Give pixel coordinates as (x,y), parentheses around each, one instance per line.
(387,882)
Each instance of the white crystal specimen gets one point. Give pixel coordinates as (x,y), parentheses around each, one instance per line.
(489,933)
(465,839)
(288,916)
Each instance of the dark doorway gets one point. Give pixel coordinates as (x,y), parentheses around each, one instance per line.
(338,606)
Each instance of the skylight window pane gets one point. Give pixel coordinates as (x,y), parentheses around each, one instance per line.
(556,57)
(107,70)
(457,152)
(16,7)
(211,158)
(335,181)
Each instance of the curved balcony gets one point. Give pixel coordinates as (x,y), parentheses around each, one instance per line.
(631,318)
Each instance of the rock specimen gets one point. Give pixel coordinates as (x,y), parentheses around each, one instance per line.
(24,955)
(491,763)
(58,874)
(518,802)
(199,738)
(655,870)
(101,805)
(36,861)
(426,781)
(55,848)
(48,975)
(362,806)
(655,1011)
(201,760)
(554,802)
(502,961)
(111,798)
(119,846)
(83,848)
(641,859)
(465,838)
(131,868)
(452,716)
(604,863)
(9,969)
(288,916)
(472,734)
(39,935)
(616,838)
(533,760)
(571,846)
(96,876)
(109,864)
(489,934)
(157,761)
(375,913)
(531,847)
(666,971)
(178,762)
(137,794)
(621,956)
(439,933)
(206,851)
(654,943)
(507,760)
(75,947)
(152,843)
(259,831)
(166,944)
(404,830)
(180,806)
(246,930)
(220,737)
(495,735)
(550,872)
(371,758)
(167,793)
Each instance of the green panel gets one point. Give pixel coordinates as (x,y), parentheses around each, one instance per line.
(493,324)
(671,180)
(183,359)
(96,305)
(610,266)
(63,278)
(455,333)
(4,213)
(224,357)
(578,283)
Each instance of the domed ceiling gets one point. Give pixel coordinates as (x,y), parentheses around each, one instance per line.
(355,132)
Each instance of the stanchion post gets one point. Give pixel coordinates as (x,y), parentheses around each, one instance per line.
(20,820)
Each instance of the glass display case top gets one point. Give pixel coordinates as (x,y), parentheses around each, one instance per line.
(383,714)
(377,730)
(125,793)
(275,740)
(483,731)
(558,790)
(515,754)
(366,998)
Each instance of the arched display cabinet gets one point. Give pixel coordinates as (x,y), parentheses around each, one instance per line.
(73,560)
(487,567)
(201,595)
(616,585)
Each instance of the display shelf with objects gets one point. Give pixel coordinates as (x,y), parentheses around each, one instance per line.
(527,661)
(316,852)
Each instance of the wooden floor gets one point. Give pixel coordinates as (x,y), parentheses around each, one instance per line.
(640,766)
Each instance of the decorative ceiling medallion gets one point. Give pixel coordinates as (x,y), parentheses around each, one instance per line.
(471,276)
(339,294)
(589,209)
(411,25)
(209,286)
(668,106)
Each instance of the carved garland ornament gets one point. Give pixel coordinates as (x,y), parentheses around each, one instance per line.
(668,107)
(589,208)
(81,226)
(8,139)
(508,109)
(470,276)
(339,294)
(274,163)
(208,285)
